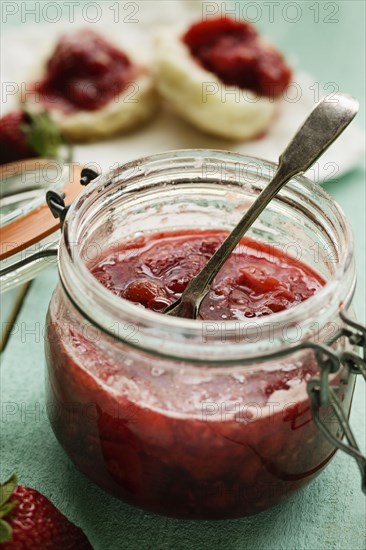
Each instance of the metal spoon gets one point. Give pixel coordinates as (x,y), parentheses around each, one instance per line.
(324,124)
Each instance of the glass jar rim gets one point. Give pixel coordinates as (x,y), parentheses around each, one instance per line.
(85,289)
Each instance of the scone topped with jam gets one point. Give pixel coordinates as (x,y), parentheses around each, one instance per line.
(221,76)
(92,88)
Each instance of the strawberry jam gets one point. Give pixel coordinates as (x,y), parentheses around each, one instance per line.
(233,51)
(85,72)
(256,280)
(175,437)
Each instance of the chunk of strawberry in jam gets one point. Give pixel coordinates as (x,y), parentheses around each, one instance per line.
(142,291)
(85,72)
(233,51)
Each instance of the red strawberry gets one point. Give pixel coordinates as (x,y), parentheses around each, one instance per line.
(24,135)
(34,523)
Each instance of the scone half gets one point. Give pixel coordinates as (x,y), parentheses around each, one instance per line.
(200,97)
(131,107)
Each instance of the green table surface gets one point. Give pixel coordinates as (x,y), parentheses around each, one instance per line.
(329,513)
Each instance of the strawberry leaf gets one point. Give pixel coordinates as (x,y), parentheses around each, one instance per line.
(7,508)
(42,134)
(5,531)
(7,489)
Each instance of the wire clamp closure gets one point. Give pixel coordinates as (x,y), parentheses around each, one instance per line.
(56,203)
(56,200)
(321,393)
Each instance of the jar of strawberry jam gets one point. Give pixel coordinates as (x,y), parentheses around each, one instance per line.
(225,415)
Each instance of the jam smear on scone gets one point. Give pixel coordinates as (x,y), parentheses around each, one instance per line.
(234,52)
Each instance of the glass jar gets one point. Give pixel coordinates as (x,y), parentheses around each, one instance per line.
(194,418)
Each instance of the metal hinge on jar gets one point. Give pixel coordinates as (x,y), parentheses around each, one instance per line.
(321,393)
(56,202)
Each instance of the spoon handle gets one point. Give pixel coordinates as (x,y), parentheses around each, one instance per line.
(324,124)
(320,129)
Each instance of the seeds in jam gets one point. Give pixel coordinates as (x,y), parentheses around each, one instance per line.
(256,280)
(234,52)
(85,72)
